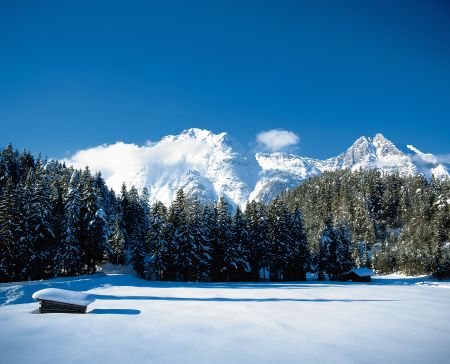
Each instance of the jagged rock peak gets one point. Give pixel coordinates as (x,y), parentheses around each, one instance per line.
(379,138)
(196,134)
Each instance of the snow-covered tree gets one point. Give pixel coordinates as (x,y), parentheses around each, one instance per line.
(156,237)
(298,258)
(257,245)
(68,257)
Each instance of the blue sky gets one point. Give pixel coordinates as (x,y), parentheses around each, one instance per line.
(79,74)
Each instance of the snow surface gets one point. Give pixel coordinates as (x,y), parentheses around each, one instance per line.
(210,165)
(394,319)
(63,296)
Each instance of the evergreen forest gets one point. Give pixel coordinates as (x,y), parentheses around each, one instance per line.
(59,221)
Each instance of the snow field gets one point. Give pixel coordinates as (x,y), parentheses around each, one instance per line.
(391,320)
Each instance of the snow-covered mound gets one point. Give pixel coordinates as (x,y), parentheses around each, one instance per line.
(210,165)
(391,320)
(64,296)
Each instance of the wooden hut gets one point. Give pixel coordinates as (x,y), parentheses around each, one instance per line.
(357,275)
(54,300)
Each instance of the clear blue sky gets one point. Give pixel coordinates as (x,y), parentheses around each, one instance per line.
(80,73)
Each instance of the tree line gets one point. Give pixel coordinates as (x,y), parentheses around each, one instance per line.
(59,221)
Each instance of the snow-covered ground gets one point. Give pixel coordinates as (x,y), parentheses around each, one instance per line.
(394,319)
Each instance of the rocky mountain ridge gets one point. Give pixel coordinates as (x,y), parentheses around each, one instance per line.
(210,165)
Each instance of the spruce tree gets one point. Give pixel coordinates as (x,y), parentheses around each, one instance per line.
(326,250)
(136,225)
(42,225)
(201,258)
(94,232)
(236,252)
(181,241)
(68,257)
(256,217)
(10,249)
(280,239)
(221,241)
(157,242)
(298,260)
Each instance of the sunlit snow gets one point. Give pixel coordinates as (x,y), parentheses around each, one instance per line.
(394,319)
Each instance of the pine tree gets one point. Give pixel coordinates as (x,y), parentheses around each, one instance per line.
(343,249)
(441,250)
(181,241)
(221,241)
(280,239)
(156,238)
(27,252)
(298,261)
(210,227)
(255,214)
(199,241)
(236,252)
(117,243)
(126,217)
(10,250)
(145,219)
(136,225)
(326,248)
(68,258)
(94,232)
(42,225)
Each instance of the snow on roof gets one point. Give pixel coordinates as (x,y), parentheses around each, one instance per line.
(64,296)
(362,272)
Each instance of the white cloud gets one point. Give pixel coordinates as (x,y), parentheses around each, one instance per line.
(277,139)
(427,158)
(139,165)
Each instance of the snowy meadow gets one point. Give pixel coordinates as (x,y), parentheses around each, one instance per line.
(394,319)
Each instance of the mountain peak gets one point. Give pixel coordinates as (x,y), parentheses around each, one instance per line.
(380,138)
(361,140)
(196,133)
(376,140)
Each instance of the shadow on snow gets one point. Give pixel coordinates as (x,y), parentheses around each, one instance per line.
(20,292)
(114,311)
(228,299)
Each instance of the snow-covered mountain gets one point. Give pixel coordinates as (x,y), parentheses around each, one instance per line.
(428,164)
(210,165)
(214,165)
(281,171)
(372,153)
(202,163)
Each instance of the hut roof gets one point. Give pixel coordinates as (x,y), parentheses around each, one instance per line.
(64,296)
(362,272)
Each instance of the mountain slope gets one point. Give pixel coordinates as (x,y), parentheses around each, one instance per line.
(210,165)
(372,153)
(204,164)
(281,171)
(428,164)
